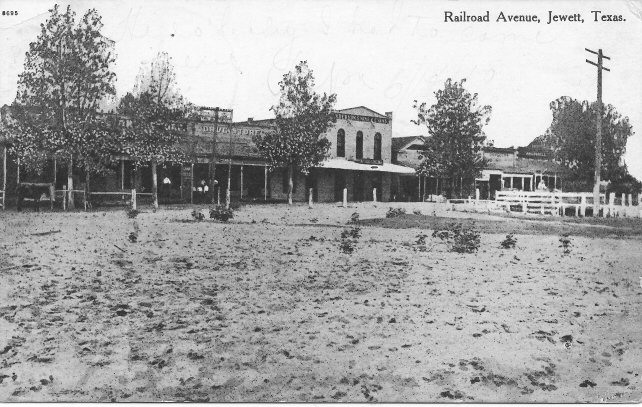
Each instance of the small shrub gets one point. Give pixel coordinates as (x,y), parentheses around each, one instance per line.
(448,233)
(354,233)
(461,239)
(132,213)
(133,237)
(347,246)
(420,243)
(466,242)
(221,213)
(566,243)
(395,212)
(509,242)
(198,215)
(354,218)
(349,239)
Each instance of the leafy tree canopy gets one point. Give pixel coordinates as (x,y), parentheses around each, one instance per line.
(302,116)
(154,114)
(67,73)
(572,136)
(455,127)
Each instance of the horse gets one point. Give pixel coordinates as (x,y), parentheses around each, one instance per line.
(32,190)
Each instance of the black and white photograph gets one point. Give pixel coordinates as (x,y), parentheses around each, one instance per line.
(322,201)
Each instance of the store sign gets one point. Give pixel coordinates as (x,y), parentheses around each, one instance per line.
(237,131)
(359,118)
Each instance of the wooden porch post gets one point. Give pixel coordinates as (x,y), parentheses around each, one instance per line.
(4,168)
(122,174)
(154,184)
(70,183)
(191,184)
(241,182)
(4,177)
(265,183)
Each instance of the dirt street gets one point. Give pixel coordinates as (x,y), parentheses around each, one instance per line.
(267,307)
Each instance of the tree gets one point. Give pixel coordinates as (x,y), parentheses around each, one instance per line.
(67,73)
(155,111)
(152,133)
(158,78)
(455,127)
(301,118)
(572,135)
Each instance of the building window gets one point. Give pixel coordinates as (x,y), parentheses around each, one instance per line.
(377,146)
(341,143)
(359,153)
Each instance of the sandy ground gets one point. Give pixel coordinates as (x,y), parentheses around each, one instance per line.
(267,308)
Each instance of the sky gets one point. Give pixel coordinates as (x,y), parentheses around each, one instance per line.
(382,54)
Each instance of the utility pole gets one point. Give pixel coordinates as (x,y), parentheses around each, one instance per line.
(212,166)
(598,138)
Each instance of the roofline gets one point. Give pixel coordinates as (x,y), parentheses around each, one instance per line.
(409,142)
(356,107)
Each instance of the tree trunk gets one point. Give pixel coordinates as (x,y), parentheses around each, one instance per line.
(132,176)
(86,189)
(290,183)
(70,183)
(154,185)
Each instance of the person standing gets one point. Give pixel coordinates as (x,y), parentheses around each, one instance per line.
(167,186)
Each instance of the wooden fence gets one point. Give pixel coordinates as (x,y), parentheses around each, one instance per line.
(564,203)
(133,195)
(63,196)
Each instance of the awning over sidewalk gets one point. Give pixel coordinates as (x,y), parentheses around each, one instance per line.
(341,164)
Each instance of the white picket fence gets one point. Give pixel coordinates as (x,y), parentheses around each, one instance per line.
(561,203)
(552,203)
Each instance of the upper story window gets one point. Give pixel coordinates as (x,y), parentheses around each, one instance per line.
(359,152)
(377,146)
(341,143)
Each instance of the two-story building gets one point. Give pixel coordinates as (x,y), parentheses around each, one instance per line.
(360,161)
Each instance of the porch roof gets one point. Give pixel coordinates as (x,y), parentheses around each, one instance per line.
(342,164)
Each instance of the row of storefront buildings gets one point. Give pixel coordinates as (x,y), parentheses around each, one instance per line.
(364,159)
